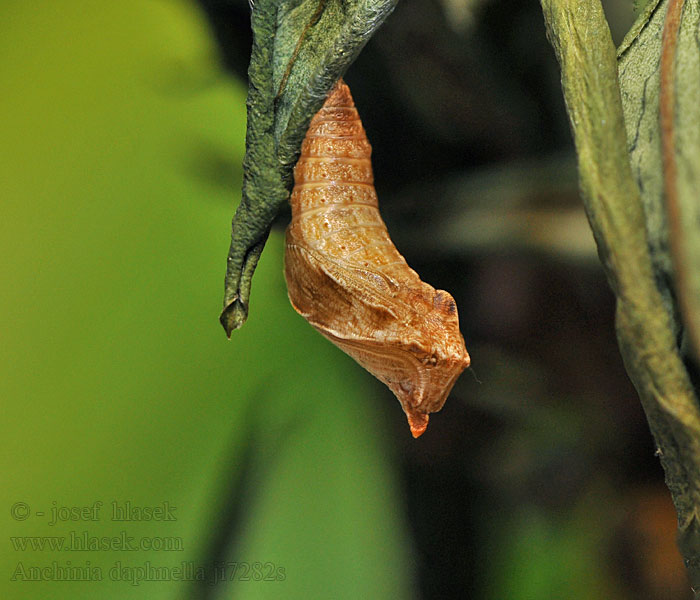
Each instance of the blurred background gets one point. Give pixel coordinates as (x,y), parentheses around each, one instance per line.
(145,456)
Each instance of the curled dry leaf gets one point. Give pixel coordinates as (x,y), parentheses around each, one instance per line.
(347,279)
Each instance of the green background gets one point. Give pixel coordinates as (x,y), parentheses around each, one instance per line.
(117,381)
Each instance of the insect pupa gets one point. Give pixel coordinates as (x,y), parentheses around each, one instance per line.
(347,279)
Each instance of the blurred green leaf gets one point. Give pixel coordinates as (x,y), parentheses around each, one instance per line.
(539,555)
(116,384)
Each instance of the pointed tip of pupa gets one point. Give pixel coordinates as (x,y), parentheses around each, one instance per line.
(418,422)
(340,96)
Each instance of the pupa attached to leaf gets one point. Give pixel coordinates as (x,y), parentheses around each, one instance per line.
(346,278)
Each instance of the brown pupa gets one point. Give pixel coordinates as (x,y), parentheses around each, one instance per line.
(347,279)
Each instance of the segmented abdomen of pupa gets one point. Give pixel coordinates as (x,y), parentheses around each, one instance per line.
(345,276)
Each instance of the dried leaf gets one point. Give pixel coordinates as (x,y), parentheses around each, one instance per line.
(646,331)
(680,118)
(639,60)
(299,51)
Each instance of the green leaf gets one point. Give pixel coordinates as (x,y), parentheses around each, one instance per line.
(300,49)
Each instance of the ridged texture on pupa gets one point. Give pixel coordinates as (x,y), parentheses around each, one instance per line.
(345,276)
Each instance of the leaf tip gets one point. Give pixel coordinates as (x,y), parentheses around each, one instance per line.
(233,316)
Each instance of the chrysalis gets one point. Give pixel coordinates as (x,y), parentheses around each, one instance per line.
(347,279)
